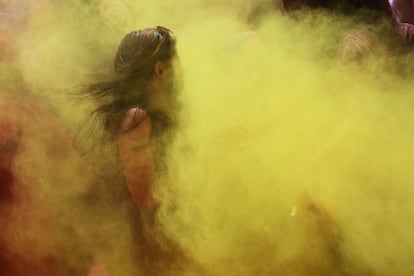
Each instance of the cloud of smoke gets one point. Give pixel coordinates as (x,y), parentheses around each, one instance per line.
(294,154)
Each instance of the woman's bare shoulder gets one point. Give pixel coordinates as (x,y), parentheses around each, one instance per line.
(135,128)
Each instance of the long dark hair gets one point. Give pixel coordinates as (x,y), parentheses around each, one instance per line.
(128,82)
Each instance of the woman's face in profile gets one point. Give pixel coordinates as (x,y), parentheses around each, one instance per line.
(167,83)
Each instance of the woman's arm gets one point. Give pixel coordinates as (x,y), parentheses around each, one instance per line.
(406,31)
(136,154)
(403,17)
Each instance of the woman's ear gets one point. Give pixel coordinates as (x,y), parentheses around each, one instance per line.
(159,69)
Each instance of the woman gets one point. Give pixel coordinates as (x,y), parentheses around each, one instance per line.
(137,109)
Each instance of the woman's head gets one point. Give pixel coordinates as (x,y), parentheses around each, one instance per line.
(142,76)
(145,59)
(140,50)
